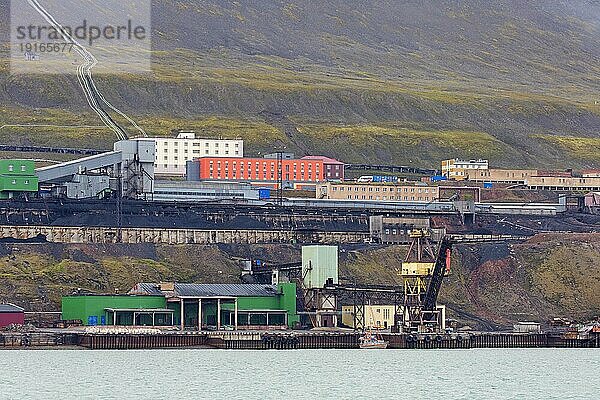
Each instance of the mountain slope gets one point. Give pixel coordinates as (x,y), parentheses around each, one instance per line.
(384,81)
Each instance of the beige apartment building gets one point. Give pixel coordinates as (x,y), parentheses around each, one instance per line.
(172,154)
(566,183)
(515,176)
(377,192)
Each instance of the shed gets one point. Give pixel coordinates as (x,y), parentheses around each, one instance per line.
(527,327)
(11,314)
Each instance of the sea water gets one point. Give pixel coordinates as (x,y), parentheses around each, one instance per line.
(301,374)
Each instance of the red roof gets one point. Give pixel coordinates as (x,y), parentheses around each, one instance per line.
(326,160)
(591,172)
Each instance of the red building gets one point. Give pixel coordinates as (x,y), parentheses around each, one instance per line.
(11,314)
(295,173)
(334,169)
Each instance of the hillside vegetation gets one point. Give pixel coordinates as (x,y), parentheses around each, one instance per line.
(490,285)
(381,81)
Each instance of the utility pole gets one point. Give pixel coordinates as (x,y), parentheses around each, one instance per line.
(119,208)
(279,178)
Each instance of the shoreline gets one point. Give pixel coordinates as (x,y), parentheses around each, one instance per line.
(283,340)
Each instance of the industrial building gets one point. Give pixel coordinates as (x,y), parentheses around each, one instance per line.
(17,177)
(592,202)
(127,170)
(208,191)
(377,191)
(189,306)
(381,316)
(396,230)
(377,316)
(11,314)
(457,169)
(173,153)
(107,309)
(301,174)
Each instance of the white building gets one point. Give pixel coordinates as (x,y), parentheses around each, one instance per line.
(173,153)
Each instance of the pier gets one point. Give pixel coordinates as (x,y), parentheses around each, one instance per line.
(284,340)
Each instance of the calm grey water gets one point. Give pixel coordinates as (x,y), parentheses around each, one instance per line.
(301,374)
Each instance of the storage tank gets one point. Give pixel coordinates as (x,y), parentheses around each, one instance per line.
(319,264)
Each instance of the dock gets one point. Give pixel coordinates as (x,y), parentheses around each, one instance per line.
(287,340)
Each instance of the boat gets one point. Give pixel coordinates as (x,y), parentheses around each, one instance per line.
(370,340)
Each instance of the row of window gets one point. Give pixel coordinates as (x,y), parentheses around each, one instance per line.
(264,165)
(206,152)
(406,198)
(197,144)
(207,194)
(381,189)
(11,168)
(264,176)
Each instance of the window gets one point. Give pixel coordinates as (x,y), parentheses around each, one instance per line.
(11,167)
(23,168)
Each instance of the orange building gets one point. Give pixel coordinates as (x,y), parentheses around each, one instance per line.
(302,174)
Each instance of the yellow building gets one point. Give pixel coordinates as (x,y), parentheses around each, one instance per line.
(417,268)
(376,317)
(382,316)
(564,183)
(377,192)
(514,176)
(458,170)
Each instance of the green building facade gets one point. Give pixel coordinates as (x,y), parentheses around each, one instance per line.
(157,308)
(253,311)
(17,176)
(116,309)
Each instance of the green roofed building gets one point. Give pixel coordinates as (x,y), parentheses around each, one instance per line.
(189,306)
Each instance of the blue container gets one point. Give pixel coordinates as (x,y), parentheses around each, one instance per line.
(488,185)
(438,178)
(385,179)
(264,193)
(92,320)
